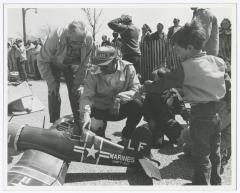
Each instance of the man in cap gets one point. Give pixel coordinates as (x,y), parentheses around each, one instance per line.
(129,34)
(67,50)
(109,90)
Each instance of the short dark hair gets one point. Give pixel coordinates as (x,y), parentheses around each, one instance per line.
(160,24)
(190,34)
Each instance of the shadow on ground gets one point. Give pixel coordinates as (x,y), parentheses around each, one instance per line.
(134,178)
(178,169)
(117,134)
(168,149)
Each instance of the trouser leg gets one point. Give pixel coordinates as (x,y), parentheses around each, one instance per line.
(54,100)
(205,134)
(132,111)
(72,93)
(201,153)
(135,60)
(215,157)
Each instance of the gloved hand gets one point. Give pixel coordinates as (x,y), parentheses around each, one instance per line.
(52,88)
(116,107)
(85,121)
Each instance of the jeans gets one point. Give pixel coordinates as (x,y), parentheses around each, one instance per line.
(135,59)
(131,110)
(54,101)
(206,137)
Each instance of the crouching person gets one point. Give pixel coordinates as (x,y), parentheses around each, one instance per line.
(202,78)
(159,111)
(108,92)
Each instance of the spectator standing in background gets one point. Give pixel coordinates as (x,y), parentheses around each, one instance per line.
(225,43)
(37,46)
(105,41)
(29,45)
(159,34)
(225,109)
(9,47)
(21,59)
(162,42)
(174,28)
(117,43)
(67,50)
(146,31)
(129,34)
(210,24)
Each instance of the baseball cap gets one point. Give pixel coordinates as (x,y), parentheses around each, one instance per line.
(105,55)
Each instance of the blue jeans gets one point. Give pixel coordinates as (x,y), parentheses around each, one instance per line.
(205,132)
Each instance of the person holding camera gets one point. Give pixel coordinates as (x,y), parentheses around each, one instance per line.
(129,34)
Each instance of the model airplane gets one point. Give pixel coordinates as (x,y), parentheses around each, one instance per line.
(48,152)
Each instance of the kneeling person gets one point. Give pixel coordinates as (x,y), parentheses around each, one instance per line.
(108,91)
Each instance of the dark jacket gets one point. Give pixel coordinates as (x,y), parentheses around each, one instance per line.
(155,36)
(129,35)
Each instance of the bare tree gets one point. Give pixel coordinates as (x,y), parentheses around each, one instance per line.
(93,17)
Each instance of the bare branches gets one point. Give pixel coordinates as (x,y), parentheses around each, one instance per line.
(93,17)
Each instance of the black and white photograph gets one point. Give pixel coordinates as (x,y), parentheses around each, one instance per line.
(118,96)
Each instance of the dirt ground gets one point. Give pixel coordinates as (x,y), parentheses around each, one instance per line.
(176,168)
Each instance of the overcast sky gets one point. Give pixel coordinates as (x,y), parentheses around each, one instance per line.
(56,15)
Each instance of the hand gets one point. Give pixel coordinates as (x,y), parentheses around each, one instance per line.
(147,82)
(85,121)
(126,18)
(53,88)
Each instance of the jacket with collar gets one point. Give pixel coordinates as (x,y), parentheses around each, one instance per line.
(54,51)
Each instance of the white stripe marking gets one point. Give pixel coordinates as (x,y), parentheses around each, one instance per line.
(77,150)
(78,147)
(85,144)
(101,144)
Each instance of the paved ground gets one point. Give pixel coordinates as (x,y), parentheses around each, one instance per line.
(175,168)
